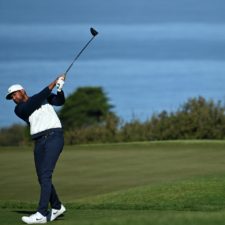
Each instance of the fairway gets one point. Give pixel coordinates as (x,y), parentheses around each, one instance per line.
(178,182)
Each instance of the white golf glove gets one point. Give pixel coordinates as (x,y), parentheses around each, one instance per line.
(60,83)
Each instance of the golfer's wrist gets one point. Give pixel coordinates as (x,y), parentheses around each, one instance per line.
(52,85)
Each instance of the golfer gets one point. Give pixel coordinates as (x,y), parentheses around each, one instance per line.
(46,131)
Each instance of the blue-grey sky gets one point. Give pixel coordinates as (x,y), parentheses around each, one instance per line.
(150,55)
(116,11)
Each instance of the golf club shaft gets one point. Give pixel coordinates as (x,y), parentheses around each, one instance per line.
(78,55)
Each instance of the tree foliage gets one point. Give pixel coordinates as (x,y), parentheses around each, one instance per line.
(85,107)
(196,119)
(91,121)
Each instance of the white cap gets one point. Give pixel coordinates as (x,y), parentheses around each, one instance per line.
(13,88)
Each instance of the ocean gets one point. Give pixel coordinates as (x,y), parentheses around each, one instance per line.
(144,68)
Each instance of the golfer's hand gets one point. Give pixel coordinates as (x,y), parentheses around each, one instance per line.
(60,82)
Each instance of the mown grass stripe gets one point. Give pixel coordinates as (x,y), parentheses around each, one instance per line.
(203,194)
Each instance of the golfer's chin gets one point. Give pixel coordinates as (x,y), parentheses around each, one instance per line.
(17,101)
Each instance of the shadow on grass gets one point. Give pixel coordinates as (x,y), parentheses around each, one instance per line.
(24,212)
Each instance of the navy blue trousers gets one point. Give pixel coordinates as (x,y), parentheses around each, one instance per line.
(46,153)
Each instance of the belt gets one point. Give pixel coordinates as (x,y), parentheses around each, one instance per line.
(47,133)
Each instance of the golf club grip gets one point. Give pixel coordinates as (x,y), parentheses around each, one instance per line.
(78,55)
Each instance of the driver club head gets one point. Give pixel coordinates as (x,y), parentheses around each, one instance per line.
(93,31)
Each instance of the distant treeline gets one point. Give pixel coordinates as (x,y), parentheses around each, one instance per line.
(198,118)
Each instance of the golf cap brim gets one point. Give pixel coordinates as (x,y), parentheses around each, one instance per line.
(13,88)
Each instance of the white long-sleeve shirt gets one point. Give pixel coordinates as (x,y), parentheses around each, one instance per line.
(39,113)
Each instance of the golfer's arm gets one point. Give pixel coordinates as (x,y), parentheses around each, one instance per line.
(26,109)
(34,102)
(52,85)
(58,99)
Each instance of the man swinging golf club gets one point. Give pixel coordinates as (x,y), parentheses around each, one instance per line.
(46,131)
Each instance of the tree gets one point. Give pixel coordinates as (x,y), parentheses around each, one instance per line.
(85,107)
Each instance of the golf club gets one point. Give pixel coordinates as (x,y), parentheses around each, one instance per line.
(94,33)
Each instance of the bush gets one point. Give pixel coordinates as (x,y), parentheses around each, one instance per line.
(103,133)
(196,119)
(14,135)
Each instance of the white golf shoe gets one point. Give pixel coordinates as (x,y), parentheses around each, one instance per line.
(57,212)
(36,218)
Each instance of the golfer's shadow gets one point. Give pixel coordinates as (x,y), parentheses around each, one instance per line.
(28,213)
(25,212)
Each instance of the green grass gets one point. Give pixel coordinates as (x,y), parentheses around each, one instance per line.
(180,182)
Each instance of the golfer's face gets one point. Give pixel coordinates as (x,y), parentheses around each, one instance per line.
(18,96)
